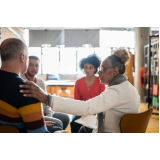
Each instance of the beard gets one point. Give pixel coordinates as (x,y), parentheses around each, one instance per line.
(30,74)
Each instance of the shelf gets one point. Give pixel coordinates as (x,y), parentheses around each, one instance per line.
(146,46)
(151,54)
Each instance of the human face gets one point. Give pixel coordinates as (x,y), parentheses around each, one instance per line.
(89,69)
(107,74)
(33,67)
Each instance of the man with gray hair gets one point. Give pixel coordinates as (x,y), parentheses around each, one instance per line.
(23,113)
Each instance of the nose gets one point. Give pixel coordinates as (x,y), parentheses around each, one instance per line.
(99,72)
(34,67)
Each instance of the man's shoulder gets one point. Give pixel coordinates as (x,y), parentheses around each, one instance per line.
(11,92)
(23,77)
(40,82)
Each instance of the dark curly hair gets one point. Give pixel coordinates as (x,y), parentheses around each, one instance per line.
(91,59)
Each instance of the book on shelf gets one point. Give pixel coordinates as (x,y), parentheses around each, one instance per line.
(154,102)
(155,89)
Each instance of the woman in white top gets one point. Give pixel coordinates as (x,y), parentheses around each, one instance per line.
(119,98)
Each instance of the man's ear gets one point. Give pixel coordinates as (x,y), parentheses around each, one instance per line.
(22,58)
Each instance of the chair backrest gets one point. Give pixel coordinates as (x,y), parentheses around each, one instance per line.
(8,129)
(135,123)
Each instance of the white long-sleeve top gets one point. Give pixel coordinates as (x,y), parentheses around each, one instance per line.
(42,85)
(114,102)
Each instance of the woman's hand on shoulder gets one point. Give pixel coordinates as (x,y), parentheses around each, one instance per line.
(34,91)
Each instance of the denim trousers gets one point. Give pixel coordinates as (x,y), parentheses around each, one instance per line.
(63,117)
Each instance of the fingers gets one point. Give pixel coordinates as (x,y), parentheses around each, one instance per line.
(30,85)
(27,91)
(49,123)
(27,82)
(24,86)
(30,95)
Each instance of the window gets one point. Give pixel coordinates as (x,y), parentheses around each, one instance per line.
(67,61)
(102,53)
(50,60)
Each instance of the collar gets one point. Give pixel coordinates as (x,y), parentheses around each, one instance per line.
(35,80)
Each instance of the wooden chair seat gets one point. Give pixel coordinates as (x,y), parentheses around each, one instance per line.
(135,123)
(8,129)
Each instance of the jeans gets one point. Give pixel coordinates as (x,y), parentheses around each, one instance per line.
(63,117)
(75,126)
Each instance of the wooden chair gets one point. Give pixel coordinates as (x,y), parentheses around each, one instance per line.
(8,129)
(135,123)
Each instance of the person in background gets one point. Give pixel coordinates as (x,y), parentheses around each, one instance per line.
(87,87)
(61,120)
(118,99)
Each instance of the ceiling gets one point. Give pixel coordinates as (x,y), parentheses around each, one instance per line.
(79,28)
(89,28)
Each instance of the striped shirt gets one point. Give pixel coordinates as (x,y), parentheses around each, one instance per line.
(42,85)
(24,113)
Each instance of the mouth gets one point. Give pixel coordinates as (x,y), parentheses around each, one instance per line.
(33,72)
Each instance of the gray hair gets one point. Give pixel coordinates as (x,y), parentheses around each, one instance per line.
(11,48)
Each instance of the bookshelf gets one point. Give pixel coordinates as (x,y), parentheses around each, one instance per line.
(151,73)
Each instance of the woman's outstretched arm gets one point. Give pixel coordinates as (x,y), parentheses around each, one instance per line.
(105,101)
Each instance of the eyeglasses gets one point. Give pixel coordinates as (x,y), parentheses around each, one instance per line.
(102,68)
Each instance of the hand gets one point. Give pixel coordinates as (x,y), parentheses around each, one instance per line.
(63,131)
(50,123)
(33,91)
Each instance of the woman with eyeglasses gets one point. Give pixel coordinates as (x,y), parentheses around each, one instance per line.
(119,98)
(87,87)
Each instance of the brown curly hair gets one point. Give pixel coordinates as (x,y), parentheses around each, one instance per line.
(118,59)
(122,54)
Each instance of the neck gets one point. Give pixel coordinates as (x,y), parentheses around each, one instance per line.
(11,67)
(90,77)
(30,77)
(118,79)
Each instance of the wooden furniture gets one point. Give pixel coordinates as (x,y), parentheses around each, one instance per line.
(60,87)
(135,123)
(8,129)
(129,69)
